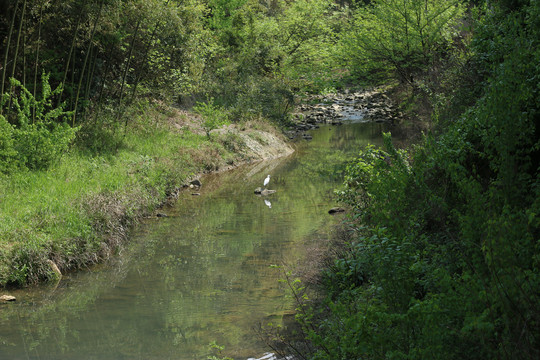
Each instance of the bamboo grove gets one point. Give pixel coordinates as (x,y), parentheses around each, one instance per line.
(85,62)
(101,54)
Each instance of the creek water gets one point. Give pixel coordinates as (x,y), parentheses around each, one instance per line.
(203,274)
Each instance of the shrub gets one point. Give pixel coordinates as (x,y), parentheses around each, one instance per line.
(8,154)
(447,265)
(39,134)
(213,115)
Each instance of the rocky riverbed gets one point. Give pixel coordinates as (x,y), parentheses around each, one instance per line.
(371,105)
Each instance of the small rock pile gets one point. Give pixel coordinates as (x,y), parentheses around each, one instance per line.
(364,106)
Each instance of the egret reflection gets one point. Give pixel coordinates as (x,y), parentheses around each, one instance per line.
(268,203)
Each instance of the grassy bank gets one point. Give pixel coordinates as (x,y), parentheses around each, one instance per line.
(80,210)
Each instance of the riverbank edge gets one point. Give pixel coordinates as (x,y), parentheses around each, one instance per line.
(114,214)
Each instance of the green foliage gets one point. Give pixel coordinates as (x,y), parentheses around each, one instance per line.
(375,181)
(399,36)
(39,134)
(8,154)
(262,51)
(445,259)
(217,349)
(104,51)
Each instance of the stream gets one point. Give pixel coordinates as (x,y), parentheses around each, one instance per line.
(201,275)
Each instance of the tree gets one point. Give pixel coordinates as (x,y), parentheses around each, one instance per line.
(400,36)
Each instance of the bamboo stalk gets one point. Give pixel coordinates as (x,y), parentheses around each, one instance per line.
(127,68)
(90,76)
(145,56)
(37,56)
(102,87)
(71,52)
(17,48)
(24,59)
(85,61)
(6,55)
(18,40)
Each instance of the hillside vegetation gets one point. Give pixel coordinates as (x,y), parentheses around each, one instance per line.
(442,254)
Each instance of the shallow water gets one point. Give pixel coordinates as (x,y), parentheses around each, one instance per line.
(203,274)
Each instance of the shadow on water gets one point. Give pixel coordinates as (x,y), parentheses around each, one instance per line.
(200,275)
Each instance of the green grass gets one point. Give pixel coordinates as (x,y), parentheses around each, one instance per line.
(77,211)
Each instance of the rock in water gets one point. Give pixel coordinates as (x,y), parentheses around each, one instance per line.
(267,356)
(336,210)
(55,269)
(258,190)
(196,182)
(267,192)
(7,298)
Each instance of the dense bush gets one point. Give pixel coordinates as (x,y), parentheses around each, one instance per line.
(39,134)
(213,116)
(447,263)
(398,39)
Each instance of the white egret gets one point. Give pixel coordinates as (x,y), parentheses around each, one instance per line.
(266,181)
(268,203)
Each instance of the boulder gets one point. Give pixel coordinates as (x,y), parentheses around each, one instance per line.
(336,210)
(7,298)
(264,192)
(55,269)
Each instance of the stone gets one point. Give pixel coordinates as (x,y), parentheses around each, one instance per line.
(266,356)
(196,182)
(7,298)
(258,190)
(195,194)
(266,192)
(161,215)
(336,210)
(55,268)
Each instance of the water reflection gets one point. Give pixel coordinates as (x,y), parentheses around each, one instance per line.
(200,275)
